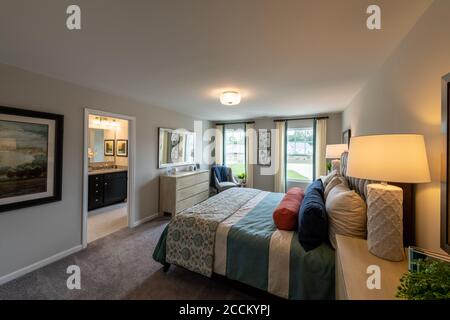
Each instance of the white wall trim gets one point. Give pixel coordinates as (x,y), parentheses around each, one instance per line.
(144,220)
(131,167)
(23,271)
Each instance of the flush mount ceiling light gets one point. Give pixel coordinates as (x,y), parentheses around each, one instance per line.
(230,98)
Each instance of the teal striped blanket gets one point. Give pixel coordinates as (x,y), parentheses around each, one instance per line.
(246,246)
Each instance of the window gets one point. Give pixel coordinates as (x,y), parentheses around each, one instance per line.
(234,148)
(300,152)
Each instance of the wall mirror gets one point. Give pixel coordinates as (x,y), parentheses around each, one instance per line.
(96,150)
(176,147)
(445,170)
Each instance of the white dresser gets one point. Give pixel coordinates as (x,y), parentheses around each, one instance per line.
(182,190)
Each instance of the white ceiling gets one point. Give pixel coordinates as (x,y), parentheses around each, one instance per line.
(287,57)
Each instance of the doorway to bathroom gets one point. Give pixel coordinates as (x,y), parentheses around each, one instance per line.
(108,184)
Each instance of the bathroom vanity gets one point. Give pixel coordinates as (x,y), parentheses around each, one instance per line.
(107,186)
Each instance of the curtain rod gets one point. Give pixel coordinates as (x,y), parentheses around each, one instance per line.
(241,122)
(309,118)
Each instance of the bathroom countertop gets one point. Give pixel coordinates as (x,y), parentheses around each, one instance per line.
(107,170)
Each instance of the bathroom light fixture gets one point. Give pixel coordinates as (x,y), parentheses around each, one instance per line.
(104,123)
(230,98)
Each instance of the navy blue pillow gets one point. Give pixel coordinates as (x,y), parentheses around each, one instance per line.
(312,218)
(318,185)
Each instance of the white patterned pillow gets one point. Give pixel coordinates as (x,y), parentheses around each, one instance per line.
(347,213)
(327,179)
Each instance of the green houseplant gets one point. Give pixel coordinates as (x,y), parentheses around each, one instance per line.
(241,176)
(430,282)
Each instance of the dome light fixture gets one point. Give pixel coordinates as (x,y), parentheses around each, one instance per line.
(230,98)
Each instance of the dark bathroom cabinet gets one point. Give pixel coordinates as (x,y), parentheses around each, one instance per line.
(107,189)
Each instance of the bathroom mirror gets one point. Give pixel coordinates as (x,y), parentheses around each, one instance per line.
(445,190)
(176,147)
(96,150)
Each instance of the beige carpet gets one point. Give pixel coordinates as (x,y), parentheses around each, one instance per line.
(120,266)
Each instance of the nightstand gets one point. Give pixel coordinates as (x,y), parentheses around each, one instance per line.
(352,260)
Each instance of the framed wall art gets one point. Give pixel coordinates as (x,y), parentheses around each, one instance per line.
(264,147)
(346,135)
(122,148)
(445,165)
(31,145)
(108,146)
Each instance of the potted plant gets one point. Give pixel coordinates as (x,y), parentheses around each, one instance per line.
(431,281)
(241,176)
(329,167)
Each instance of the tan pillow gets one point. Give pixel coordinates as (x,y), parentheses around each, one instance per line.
(327,179)
(346,213)
(334,182)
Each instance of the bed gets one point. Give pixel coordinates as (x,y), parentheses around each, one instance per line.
(233,234)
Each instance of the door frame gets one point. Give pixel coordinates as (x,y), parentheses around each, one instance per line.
(131,167)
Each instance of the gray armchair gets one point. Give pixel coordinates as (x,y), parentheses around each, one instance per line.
(222,178)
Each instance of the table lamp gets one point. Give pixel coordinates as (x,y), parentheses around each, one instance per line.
(395,158)
(334,152)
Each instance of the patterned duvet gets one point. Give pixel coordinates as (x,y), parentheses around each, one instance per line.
(233,234)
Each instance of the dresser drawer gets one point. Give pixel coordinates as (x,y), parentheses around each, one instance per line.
(184,182)
(192,191)
(190,202)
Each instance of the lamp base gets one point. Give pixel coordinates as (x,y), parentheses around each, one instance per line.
(385,221)
(336,165)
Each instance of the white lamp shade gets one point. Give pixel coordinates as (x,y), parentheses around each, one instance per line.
(230,98)
(334,151)
(390,158)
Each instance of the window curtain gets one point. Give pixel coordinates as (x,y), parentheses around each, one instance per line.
(280,156)
(250,152)
(219,145)
(321,145)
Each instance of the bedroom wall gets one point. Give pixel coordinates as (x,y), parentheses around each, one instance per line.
(30,235)
(334,133)
(405,97)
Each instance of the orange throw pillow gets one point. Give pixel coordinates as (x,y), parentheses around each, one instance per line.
(285,215)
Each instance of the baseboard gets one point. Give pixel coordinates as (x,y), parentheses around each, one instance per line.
(144,220)
(39,264)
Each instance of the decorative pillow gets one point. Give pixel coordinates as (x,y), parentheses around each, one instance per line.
(327,179)
(313,224)
(318,185)
(334,182)
(285,215)
(346,213)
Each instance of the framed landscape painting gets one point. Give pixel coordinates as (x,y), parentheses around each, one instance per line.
(109,147)
(122,148)
(30,158)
